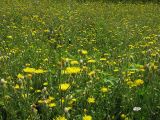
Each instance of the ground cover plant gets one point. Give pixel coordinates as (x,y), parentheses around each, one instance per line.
(79,61)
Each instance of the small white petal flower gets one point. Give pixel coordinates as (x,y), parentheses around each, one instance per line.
(136,108)
(81,61)
(3,81)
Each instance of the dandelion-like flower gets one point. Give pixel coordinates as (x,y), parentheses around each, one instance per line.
(91,100)
(104,89)
(66,109)
(87,117)
(71,70)
(20,76)
(29,70)
(74,62)
(33,70)
(17,86)
(138,82)
(64,87)
(103,59)
(51,105)
(84,52)
(91,61)
(40,71)
(61,118)
(123,116)
(92,73)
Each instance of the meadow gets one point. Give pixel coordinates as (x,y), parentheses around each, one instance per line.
(79,61)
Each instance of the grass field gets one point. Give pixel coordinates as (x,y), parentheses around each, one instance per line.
(79,61)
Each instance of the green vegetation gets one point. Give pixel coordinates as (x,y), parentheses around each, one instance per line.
(79,61)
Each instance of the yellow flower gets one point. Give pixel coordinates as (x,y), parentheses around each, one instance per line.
(33,70)
(40,101)
(47,101)
(29,70)
(74,62)
(64,87)
(123,116)
(138,82)
(45,83)
(130,83)
(24,95)
(84,52)
(20,76)
(16,86)
(37,91)
(27,64)
(87,117)
(91,100)
(31,88)
(61,118)
(29,76)
(52,105)
(152,65)
(130,73)
(103,59)
(71,70)
(91,61)
(51,98)
(46,30)
(92,73)
(66,109)
(104,89)
(62,100)
(85,110)
(39,71)
(84,68)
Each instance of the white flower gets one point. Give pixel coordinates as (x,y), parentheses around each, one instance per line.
(3,81)
(81,61)
(136,108)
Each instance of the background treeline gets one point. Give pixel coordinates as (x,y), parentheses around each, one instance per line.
(114,1)
(123,1)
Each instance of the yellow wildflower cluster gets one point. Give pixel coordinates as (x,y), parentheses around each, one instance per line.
(49,101)
(137,82)
(60,118)
(79,63)
(71,70)
(87,117)
(33,70)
